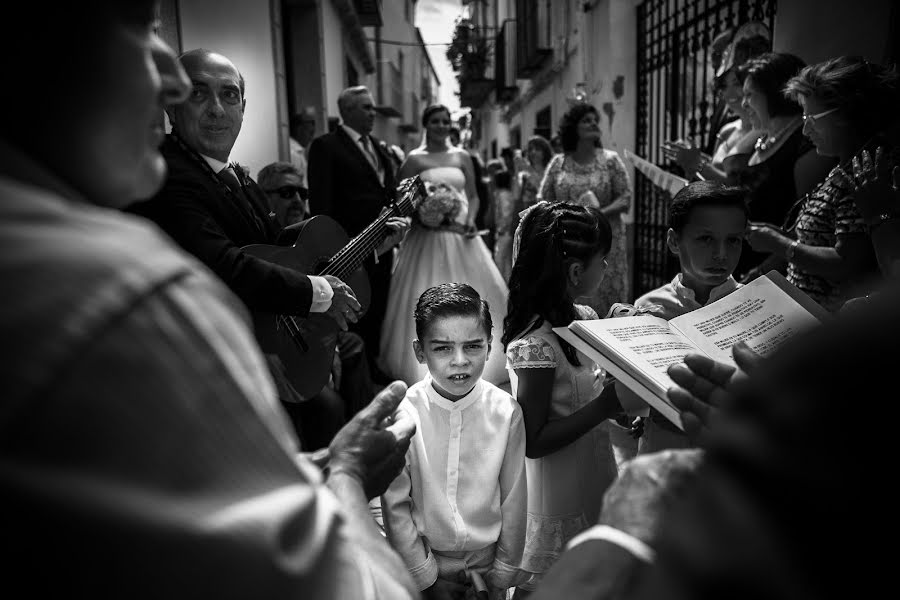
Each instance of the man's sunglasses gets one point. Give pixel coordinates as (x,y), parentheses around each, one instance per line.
(288,191)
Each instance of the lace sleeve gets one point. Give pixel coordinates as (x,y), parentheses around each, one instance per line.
(531,352)
(621,187)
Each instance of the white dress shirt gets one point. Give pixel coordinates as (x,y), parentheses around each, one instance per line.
(322,292)
(675,299)
(463,487)
(299,159)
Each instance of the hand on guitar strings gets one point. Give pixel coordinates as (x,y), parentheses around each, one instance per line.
(398,227)
(344,307)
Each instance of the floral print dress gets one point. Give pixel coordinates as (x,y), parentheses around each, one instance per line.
(565,488)
(567,181)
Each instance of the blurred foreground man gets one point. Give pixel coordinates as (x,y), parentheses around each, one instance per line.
(142,449)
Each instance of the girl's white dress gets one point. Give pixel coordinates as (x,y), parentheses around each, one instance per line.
(426,258)
(565,488)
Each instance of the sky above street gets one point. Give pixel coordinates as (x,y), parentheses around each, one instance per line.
(435,19)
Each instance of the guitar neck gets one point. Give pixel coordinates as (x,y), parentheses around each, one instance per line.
(351,256)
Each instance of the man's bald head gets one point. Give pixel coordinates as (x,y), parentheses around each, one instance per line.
(199,56)
(210,120)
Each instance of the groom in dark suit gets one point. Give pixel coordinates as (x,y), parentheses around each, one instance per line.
(351,179)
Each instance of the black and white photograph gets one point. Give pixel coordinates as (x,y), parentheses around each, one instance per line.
(449,299)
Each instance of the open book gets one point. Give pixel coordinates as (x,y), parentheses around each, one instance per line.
(638,350)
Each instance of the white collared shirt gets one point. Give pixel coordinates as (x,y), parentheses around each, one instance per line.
(463,487)
(322,292)
(214,164)
(675,299)
(299,159)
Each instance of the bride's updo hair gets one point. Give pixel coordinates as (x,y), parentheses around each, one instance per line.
(431,110)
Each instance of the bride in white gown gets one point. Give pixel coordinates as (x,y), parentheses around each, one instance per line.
(428,257)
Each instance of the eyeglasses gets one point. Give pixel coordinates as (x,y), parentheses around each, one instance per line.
(288,191)
(811,119)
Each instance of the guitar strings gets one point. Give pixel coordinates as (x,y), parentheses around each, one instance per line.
(341,261)
(345,262)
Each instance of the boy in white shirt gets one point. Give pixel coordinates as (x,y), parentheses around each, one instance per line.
(459,505)
(707,221)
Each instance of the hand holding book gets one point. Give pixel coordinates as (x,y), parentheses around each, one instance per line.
(639,350)
(704,386)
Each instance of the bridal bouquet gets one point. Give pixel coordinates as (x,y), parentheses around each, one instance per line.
(440,206)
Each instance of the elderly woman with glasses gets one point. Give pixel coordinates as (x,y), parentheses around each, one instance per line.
(784,165)
(847,105)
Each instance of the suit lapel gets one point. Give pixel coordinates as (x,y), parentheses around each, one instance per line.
(237,216)
(357,152)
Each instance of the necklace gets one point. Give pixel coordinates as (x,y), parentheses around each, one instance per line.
(766,142)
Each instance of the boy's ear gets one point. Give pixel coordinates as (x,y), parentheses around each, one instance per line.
(419,352)
(672,241)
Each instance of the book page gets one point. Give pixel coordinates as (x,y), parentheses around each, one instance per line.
(650,397)
(642,345)
(761,314)
(659,177)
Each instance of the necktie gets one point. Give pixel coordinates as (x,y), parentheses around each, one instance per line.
(231,179)
(364,140)
(243,201)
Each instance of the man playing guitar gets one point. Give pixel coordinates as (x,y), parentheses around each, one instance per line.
(213,210)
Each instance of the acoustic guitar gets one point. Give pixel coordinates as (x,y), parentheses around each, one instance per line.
(306,345)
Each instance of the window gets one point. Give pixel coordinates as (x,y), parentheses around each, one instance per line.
(543,124)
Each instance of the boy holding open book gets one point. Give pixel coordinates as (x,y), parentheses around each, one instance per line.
(706,230)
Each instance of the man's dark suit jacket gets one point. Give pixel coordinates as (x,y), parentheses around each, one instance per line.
(208,223)
(344,186)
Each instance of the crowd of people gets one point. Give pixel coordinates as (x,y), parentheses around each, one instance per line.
(156,444)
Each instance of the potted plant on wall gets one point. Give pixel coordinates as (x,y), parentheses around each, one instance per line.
(468,52)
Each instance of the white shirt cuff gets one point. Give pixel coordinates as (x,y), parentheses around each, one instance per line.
(322,294)
(604,532)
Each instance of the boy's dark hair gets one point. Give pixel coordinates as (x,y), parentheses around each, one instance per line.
(450,300)
(704,193)
(770,73)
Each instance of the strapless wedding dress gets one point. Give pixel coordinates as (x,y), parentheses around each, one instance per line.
(428,257)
